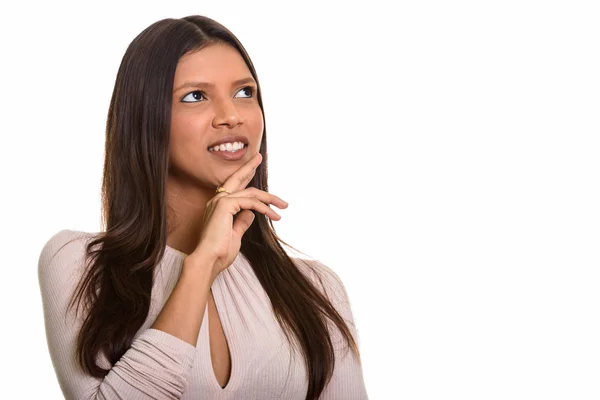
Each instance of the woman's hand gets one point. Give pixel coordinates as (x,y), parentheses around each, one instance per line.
(228,216)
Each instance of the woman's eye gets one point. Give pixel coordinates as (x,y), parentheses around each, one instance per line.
(249,89)
(197,93)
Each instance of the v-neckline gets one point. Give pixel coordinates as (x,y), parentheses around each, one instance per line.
(216,290)
(232,382)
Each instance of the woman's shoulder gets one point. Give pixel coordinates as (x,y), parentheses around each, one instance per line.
(63,251)
(323,275)
(64,242)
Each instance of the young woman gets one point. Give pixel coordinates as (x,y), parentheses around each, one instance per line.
(187,293)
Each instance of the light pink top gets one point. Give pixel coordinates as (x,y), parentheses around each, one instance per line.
(161,366)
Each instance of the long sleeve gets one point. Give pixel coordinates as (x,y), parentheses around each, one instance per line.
(157,364)
(347,382)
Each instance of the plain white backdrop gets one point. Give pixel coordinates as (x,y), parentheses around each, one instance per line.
(441,157)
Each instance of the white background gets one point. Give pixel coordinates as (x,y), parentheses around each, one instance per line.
(441,157)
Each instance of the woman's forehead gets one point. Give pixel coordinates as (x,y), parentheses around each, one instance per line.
(213,65)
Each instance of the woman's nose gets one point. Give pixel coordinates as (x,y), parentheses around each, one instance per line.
(226,113)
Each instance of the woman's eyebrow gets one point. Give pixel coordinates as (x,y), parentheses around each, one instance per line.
(210,85)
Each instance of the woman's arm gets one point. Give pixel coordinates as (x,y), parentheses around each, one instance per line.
(155,366)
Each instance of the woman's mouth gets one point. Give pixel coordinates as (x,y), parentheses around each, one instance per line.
(231,151)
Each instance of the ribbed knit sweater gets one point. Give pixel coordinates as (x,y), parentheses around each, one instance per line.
(161,366)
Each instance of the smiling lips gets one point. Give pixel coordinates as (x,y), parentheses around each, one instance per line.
(235,146)
(230,139)
(233,155)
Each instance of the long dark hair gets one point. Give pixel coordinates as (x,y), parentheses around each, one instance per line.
(117,286)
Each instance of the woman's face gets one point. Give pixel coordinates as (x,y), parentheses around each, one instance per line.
(211,107)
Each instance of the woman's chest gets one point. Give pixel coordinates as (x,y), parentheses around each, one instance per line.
(242,347)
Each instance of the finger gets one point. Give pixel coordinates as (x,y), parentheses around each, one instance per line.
(242,182)
(236,204)
(263,196)
(243,221)
(240,178)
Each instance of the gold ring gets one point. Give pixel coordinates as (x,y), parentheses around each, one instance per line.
(222,189)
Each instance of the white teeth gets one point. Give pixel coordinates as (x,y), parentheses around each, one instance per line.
(231,147)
